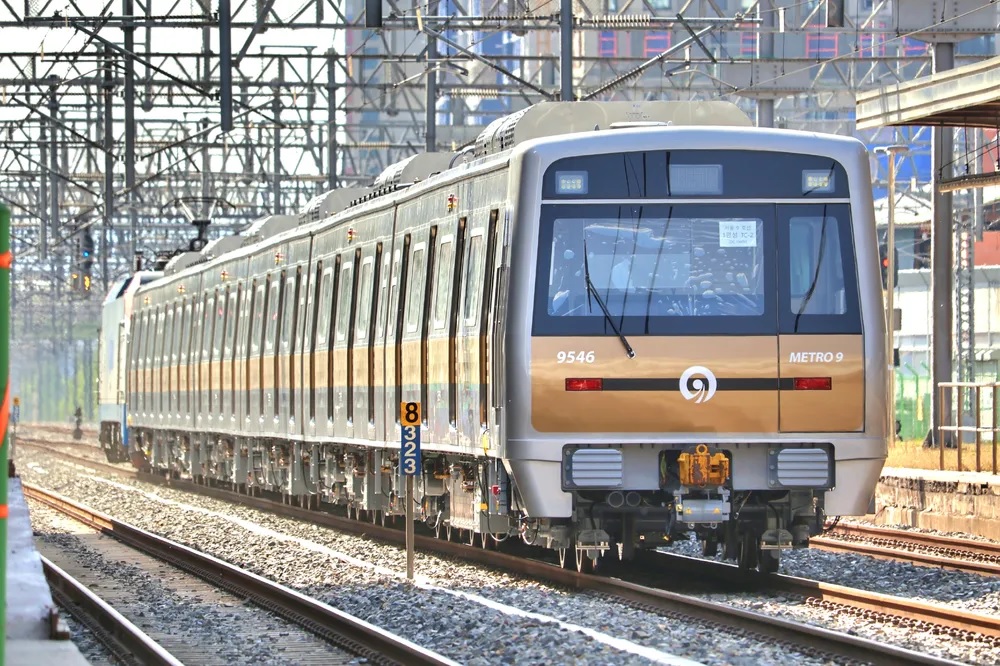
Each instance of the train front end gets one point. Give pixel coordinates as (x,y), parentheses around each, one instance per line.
(696,339)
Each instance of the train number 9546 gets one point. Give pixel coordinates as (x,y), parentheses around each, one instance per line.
(575,357)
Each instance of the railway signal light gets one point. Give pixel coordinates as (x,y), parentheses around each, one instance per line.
(81,272)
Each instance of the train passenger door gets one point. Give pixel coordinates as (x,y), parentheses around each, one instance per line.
(342,405)
(820,347)
(377,402)
(414,345)
(394,330)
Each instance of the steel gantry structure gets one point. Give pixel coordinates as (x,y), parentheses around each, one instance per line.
(125,121)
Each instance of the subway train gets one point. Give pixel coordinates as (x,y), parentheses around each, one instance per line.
(624,323)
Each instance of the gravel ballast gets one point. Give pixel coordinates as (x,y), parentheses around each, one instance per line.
(469,614)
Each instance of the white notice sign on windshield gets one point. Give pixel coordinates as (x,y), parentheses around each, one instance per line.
(737,233)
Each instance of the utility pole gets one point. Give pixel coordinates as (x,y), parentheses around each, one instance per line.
(890,244)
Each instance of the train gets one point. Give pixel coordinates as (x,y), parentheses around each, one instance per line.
(624,324)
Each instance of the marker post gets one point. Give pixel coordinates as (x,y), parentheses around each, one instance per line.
(409,466)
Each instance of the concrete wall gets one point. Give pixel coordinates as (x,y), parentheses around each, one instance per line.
(947,501)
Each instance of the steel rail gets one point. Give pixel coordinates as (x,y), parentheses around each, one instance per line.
(345,630)
(979,557)
(113,629)
(808,636)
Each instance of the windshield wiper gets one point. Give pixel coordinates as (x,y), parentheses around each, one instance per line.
(604,308)
(815,280)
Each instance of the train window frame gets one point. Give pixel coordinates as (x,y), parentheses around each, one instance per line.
(848,322)
(324,306)
(344,297)
(273,301)
(473,286)
(762,322)
(373,314)
(412,317)
(444,282)
(365,280)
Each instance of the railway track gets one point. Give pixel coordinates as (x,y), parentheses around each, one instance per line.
(126,641)
(941,619)
(358,639)
(978,557)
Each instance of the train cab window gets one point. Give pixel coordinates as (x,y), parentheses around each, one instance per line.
(818,280)
(418,271)
(444,282)
(816,272)
(657,270)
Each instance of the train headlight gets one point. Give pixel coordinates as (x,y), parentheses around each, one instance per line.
(571,182)
(817,181)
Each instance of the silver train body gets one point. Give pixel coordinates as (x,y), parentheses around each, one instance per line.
(729,380)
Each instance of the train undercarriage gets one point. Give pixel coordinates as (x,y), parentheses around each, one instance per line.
(473,499)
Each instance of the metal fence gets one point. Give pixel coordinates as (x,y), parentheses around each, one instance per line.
(976,419)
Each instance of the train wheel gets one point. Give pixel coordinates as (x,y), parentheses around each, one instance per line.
(710,546)
(437,529)
(769,560)
(562,557)
(749,551)
(447,532)
(472,537)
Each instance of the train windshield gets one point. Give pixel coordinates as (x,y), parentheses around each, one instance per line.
(691,269)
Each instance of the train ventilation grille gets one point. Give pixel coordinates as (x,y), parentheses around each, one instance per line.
(598,468)
(803,467)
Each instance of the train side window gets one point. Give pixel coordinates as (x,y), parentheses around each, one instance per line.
(445,279)
(148,334)
(418,271)
(365,299)
(324,306)
(473,280)
(344,300)
(271,329)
